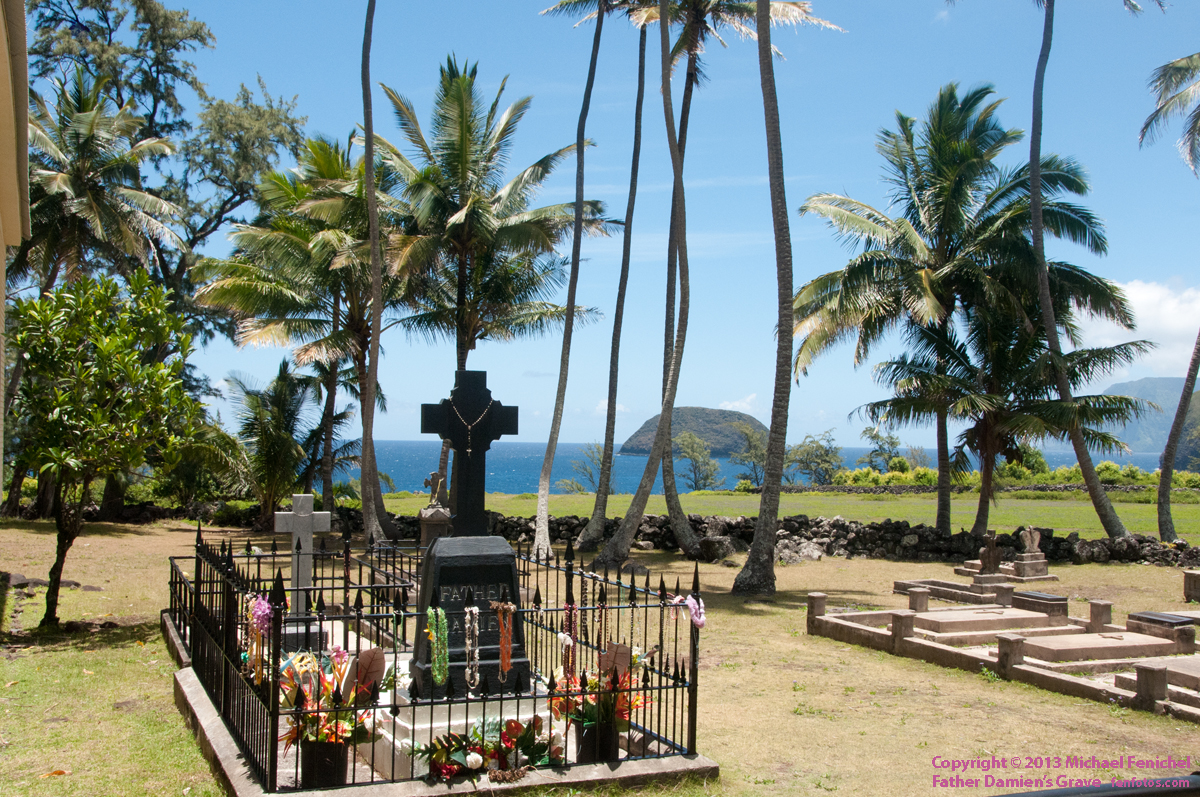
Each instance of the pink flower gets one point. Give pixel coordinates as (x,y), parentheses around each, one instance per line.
(260,614)
(696,610)
(339,655)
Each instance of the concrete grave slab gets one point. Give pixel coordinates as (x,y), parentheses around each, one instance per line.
(1082,647)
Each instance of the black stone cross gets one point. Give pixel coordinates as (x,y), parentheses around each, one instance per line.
(470,419)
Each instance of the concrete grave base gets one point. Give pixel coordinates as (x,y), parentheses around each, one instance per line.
(1018,656)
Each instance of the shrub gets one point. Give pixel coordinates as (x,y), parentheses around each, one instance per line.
(744,486)
(1014,470)
(924,476)
(865,476)
(898,465)
(1108,471)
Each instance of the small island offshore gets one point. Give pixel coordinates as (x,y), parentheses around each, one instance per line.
(714,427)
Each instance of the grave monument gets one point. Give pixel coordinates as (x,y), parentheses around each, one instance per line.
(302,522)
(468,568)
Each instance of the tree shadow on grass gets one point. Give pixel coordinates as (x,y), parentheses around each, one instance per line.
(46,528)
(795,600)
(49,640)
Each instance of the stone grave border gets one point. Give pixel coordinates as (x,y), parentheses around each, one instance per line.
(1150,691)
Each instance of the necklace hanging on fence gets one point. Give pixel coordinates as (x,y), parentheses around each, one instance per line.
(471,629)
(471,426)
(504,617)
(439,639)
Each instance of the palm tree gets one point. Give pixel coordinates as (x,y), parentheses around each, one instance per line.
(616,550)
(957,210)
(461,208)
(1176,87)
(506,300)
(372,498)
(541,543)
(589,539)
(271,423)
(999,382)
(757,576)
(86,202)
(1108,516)
(701,20)
(298,276)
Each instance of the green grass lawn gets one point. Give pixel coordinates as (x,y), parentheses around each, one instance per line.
(781,712)
(1063,514)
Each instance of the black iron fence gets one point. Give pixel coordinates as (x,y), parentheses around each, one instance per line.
(313,682)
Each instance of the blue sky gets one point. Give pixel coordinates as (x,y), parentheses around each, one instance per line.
(835,91)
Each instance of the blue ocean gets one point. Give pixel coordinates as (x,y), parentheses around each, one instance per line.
(514,467)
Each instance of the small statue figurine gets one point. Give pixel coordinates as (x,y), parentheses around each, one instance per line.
(437,491)
(989,555)
(1031,538)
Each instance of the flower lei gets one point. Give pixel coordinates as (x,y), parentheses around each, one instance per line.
(504,617)
(439,654)
(694,606)
(567,637)
(471,628)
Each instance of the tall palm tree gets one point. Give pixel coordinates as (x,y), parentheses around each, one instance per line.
(300,274)
(757,576)
(700,21)
(616,550)
(1176,89)
(1000,384)
(461,207)
(1104,508)
(589,539)
(541,543)
(370,475)
(956,211)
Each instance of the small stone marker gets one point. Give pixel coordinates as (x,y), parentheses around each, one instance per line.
(301,523)
(1031,538)
(989,556)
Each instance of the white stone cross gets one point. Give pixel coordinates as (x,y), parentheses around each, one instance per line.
(301,522)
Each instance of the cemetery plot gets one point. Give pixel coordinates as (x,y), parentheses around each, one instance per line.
(610,667)
(1150,663)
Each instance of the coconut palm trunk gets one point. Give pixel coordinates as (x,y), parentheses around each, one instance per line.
(617,549)
(685,537)
(1104,508)
(942,522)
(594,533)
(987,477)
(1166,525)
(757,577)
(541,543)
(371,496)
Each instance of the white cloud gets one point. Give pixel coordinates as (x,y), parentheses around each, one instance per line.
(602,408)
(741,405)
(1166,315)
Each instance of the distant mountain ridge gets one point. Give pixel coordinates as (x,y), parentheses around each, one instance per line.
(714,427)
(1148,434)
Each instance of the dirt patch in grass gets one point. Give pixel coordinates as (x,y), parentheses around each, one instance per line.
(782,712)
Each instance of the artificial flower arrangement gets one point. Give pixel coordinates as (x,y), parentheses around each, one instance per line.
(493,745)
(596,697)
(314,683)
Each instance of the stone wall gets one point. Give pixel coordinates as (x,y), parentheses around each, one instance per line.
(799,537)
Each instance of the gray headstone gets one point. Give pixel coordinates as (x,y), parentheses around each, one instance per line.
(301,523)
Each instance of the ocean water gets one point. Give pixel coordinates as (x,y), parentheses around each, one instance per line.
(514,467)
